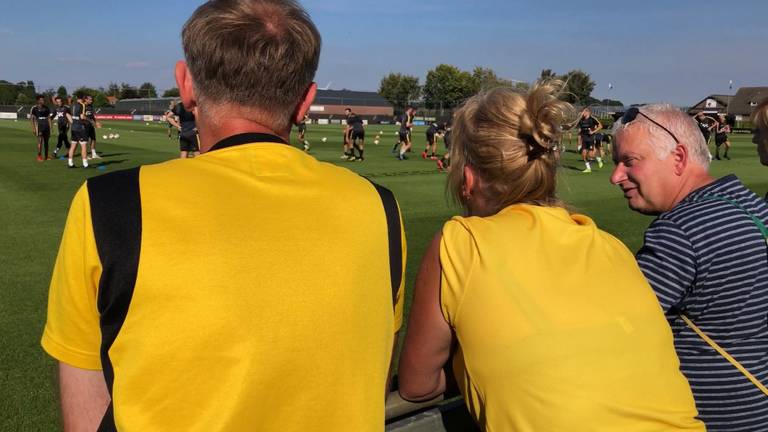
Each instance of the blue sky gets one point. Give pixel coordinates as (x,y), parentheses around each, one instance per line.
(651,51)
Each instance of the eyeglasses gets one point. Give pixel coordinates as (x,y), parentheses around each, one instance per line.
(631,115)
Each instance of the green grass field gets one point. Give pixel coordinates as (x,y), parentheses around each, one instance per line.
(35,196)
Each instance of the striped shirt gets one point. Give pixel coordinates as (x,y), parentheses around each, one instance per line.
(706,258)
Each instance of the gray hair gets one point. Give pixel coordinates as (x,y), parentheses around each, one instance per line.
(679,123)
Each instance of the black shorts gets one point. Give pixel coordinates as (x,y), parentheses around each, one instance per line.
(358,134)
(188,142)
(91,131)
(430,138)
(404,136)
(44,132)
(79,134)
(721,138)
(302,128)
(587,142)
(706,136)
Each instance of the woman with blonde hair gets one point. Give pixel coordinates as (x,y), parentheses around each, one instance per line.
(543,337)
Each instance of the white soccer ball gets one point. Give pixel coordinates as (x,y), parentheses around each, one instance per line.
(395,133)
(117,136)
(376,142)
(104,136)
(324,139)
(381,132)
(111,136)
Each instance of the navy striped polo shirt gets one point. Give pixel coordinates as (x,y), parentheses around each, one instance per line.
(707,258)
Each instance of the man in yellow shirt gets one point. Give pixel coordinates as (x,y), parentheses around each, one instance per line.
(159,327)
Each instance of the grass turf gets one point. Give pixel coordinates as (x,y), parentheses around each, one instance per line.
(34,198)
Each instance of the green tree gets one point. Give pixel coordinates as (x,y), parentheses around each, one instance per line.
(171,92)
(128,91)
(147,90)
(100,100)
(486,79)
(578,87)
(447,86)
(400,89)
(547,74)
(23,99)
(113,90)
(62,92)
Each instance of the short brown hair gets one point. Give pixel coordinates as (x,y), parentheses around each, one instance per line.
(760,115)
(260,54)
(509,138)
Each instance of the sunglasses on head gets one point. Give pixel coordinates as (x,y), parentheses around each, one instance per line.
(631,115)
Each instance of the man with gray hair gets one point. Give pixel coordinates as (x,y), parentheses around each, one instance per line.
(705,255)
(245,322)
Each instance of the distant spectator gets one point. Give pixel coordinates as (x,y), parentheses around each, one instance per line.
(553,325)
(705,255)
(230,292)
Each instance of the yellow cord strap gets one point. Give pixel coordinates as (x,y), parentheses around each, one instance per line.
(723,353)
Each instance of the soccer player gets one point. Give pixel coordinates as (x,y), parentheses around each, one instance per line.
(303,132)
(357,129)
(721,137)
(433,131)
(347,130)
(588,126)
(404,135)
(184,121)
(62,116)
(168,114)
(90,126)
(706,125)
(444,163)
(40,116)
(79,133)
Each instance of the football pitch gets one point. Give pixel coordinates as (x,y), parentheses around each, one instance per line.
(34,198)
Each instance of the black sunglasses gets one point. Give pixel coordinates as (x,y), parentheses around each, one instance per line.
(631,115)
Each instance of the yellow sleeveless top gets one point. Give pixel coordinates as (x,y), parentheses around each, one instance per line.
(557,328)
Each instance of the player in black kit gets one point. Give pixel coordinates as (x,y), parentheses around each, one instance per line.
(303,131)
(588,127)
(445,162)
(62,115)
(404,135)
(185,122)
(357,136)
(434,131)
(721,137)
(40,116)
(79,133)
(90,126)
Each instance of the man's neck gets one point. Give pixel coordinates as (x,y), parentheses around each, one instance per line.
(696,180)
(210,134)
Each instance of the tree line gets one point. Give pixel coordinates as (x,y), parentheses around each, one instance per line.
(23,92)
(447,86)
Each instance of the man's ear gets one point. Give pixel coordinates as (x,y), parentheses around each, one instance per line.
(681,159)
(306,102)
(186,86)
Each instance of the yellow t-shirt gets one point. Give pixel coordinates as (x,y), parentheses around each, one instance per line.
(557,328)
(263,295)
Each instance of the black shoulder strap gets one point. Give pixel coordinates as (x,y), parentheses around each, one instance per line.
(392,213)
(116,218)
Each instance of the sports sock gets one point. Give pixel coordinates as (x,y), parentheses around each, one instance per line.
(587,164)
(70,162)
(85,163)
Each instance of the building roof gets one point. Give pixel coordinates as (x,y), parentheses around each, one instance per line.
(746,99)
(350,97)
(722,104)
